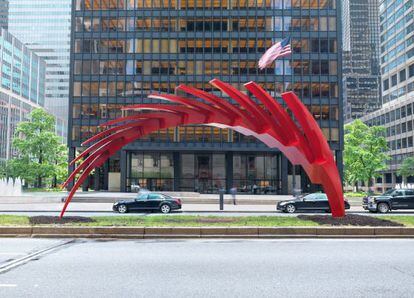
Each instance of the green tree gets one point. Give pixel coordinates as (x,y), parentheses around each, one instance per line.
(365,152)
(407,167)
(41,155)
(3,171)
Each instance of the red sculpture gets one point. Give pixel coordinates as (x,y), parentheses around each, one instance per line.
(302,144)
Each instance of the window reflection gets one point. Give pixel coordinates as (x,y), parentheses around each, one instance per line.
(153,171)
(258,174)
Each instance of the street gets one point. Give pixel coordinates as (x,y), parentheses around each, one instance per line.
(209,268)
(105,209)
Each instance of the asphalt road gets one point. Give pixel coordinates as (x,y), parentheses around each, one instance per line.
(201,213)
(211,268)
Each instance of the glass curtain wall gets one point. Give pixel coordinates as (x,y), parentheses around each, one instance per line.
(153,171)
(257,174)
(204,173)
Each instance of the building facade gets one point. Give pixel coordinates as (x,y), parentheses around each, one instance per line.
(124,50)
(22,88)
(4,14)
(397,73)
(361,59)
(44,27)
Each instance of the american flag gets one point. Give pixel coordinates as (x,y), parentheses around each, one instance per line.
(278,50)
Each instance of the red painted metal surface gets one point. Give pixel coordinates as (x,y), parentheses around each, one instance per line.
(303,144)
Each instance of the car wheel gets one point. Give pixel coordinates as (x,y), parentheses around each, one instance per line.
(122,209)
(290,208)
(165,208)
(383,208)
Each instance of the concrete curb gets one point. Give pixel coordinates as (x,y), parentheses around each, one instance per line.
(206,232)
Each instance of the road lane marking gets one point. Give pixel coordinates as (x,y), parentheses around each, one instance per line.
(8,285)
(23,260)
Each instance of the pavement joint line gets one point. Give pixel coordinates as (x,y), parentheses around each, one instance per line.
(21,261)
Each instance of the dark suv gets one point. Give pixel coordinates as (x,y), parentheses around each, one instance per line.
(392,199)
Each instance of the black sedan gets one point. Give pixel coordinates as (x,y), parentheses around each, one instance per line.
(313,201)
(148,202)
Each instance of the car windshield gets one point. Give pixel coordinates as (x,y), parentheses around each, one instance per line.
(388,192)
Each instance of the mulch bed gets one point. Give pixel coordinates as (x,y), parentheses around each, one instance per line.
(216,220)
(47,220)
(350,220)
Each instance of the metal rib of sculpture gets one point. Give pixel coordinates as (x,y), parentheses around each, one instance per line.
(303,144)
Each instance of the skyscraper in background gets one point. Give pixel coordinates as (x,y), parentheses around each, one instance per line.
(22,88)
(361,71)
(4,14)
(44,26)
(397,74)
(125,50)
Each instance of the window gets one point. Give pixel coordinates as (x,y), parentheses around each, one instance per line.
(402,75)
(409,192)
(386,85)
(394,80)
(153,197)
(143,196)
(411,70)
(398,193)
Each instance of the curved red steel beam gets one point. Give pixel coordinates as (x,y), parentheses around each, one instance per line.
(303,145)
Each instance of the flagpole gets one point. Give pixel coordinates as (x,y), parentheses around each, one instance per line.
(291,84)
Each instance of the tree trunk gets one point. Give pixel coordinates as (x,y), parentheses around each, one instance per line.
(39,178)
(54,181)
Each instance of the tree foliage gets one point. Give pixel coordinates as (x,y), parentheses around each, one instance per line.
(41,155)
(407,167)
(365,152)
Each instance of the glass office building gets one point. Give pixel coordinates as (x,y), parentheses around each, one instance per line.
(44,27)
(4,13)
(124,50)
(397,74)
(361,65)
(22,88)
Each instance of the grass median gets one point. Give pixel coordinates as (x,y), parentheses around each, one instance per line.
(206,221)
(158,221)
(407,220)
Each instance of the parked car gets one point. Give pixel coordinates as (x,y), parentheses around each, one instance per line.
(313,201)
(148,202)
(392,199)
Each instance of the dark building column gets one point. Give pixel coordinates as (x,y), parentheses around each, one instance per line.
(85,184)
(229,171)
(123,168)
(105,175)
(284,177)
(177,171)
(96,182)
(71,168)
(340,164)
